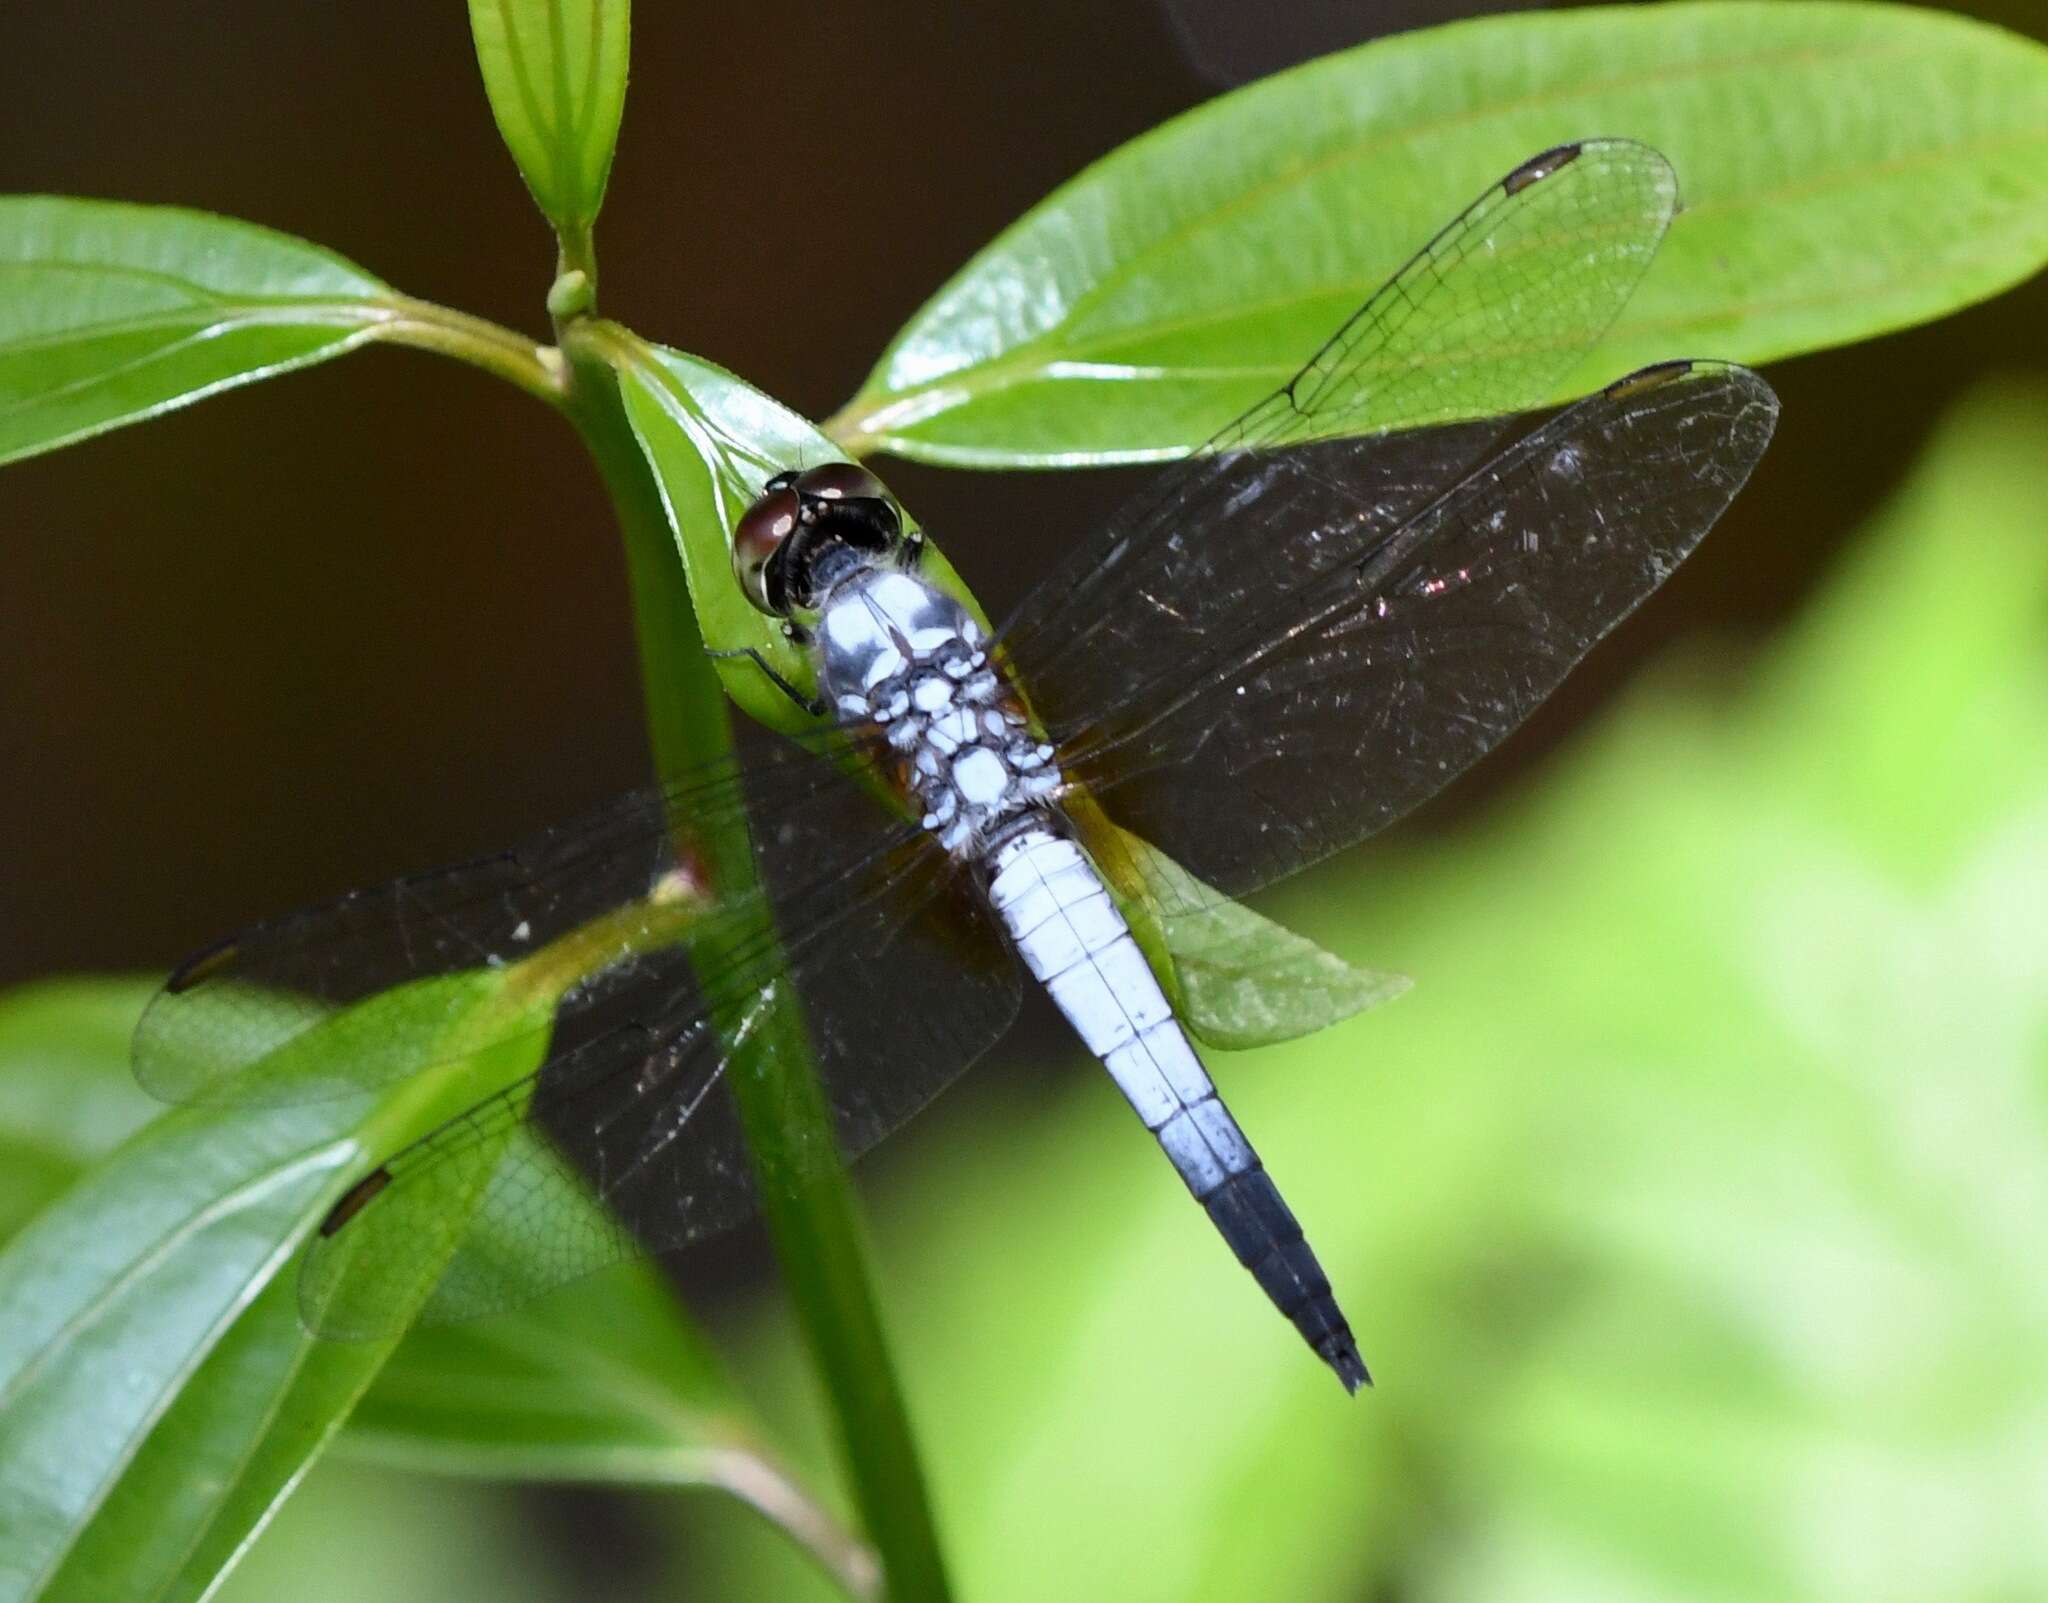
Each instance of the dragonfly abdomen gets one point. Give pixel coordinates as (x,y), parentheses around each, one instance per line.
(1067,929)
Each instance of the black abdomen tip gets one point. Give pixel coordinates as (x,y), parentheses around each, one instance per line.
(1341,1354)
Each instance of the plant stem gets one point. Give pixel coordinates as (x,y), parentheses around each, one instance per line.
(575,252)
(425,325)
(806,1197)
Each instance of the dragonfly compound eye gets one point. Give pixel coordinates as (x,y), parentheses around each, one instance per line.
(852,502)
(757,541)
(840,481)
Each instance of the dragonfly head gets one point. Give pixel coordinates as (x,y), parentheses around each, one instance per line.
(807,529)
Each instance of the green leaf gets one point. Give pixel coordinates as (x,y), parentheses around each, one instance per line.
(1847,169)
(555,71)
(118,1300)
(609,1382)
(112,313)
(1241,980)
(159,1392)
(352,1533)
(66,1097)
(206,1474)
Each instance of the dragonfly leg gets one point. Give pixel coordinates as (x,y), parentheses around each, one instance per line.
(814,705)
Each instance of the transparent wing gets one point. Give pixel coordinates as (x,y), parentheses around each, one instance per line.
(1313,717)
(631,1142)
(623,1139)
(1486,320)
(382,983)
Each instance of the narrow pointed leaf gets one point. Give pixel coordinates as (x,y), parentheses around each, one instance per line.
(117,1300)
(1846,169)
(159,1394)
(1241,980)
(111,313)
(555,71)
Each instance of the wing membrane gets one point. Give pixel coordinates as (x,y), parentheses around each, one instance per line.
(379,984)
(592,991)
(1486,320)
(1322,714)
(631,1142)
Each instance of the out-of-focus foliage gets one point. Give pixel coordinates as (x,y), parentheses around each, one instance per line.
(359,1534)
(1688,1211)
(59,1108)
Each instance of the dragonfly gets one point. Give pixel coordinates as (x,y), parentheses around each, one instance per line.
(1282,643)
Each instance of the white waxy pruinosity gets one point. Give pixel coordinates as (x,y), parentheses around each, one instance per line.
(902,654)
(951,730)
(1076,943)
(980,777)
(857,633)
(881,622)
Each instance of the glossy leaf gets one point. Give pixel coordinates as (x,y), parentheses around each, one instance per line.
(234,1438)
(1846,169)
(111,313)
(151,1326)
(555,71)
(159,1391)
(116,1300)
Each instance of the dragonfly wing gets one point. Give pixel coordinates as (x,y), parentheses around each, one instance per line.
(1486,320)
(1320,715)
(631,1142)
(576,1007)
(380,984)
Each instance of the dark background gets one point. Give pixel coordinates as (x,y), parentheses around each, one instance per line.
(330,628)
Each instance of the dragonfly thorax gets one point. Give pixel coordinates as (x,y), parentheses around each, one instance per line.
(899,652)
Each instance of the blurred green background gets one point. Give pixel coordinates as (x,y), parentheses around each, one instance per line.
(1689,1206)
